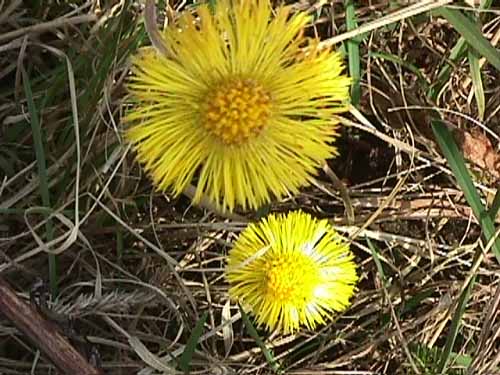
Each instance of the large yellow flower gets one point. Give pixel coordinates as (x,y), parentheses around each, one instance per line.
(290,271)
(243,106)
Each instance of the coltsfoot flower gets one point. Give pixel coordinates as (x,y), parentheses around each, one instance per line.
(291,270)
(243,106)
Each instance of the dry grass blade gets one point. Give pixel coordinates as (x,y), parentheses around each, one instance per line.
(410,11)
(9,10)
(42,27)
(152,28)
(227,330)
(149,358)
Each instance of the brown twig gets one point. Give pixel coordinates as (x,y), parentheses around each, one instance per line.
(344,192)
(43,333)
(45,26)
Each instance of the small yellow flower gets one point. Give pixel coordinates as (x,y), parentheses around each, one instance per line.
(290,271)
(243,106)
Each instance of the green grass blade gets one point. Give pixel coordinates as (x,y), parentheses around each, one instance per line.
(455,327)
(485,4)
(255,335)
(187,355)
(457,165)
(42,173)
(212,4)
(405,64)
(353,53)
(411,304)
(377,262)
(428,358)
(457,52)
(477,82)
(472,34)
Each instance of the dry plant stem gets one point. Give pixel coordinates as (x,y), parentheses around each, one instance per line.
(448,313)
(485,331)
(44,334)
(394,191)
(414,209)
(344,193)
(42,27)
(410,11)
(7,12)
(404,342)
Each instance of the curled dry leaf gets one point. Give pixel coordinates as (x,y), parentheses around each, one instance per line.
(149,358)
(152,29)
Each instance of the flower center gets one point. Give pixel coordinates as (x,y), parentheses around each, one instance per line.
(291,278)
(236,111)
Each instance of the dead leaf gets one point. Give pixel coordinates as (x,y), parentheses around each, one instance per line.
(477,148)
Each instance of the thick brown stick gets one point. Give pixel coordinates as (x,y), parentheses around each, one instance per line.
(44,334)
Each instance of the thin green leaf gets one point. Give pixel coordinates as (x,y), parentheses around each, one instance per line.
(455,327)
(457,165)
(413,302)
(262,211)
(477,82)
(212,4)
(307,347)
(377,262)
(485,4)
(42,173)
(353,53)
(397,60)
(456,54)
(255,335)
(472,34)
(187,355)
(428,358)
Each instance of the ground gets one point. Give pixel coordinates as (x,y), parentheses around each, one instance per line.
(428,293)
